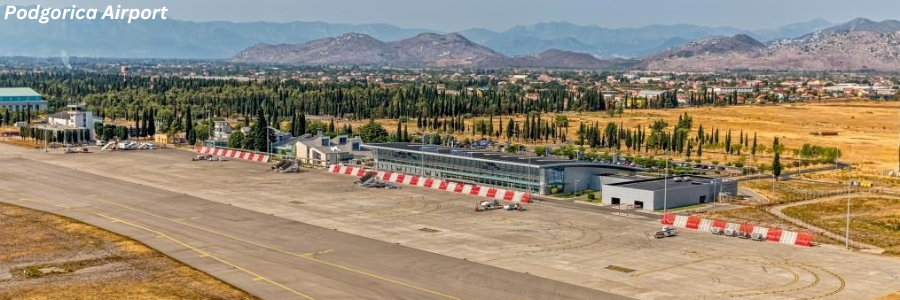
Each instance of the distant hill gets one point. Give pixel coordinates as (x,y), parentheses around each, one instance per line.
(716,45)
(554,58)
(856,45)
(168,38)
(814,45)
(427,49)
(424,50)
(790,30)
(855,25)
(218,40)
(619,42)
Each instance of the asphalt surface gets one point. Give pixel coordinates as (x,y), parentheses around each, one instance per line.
(266,255)
(609,209)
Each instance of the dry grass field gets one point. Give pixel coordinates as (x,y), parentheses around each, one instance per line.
(867,130)
(793,190)
(841,177)
(894,296)
(45,256)
(874,220)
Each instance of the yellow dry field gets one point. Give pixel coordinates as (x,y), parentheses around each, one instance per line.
(46,256)
(874,220)
(841,177)
(867,130)
(894,296)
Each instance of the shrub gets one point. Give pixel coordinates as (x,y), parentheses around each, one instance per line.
(591,197)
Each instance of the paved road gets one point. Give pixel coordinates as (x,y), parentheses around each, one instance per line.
(266,255)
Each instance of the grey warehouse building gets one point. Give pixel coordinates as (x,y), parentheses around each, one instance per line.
(649,194)
(540,175)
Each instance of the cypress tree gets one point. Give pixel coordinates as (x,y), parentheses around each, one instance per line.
(753,149)
(151,123)
(776,162)
(302,124)
(189,127)
(699,150)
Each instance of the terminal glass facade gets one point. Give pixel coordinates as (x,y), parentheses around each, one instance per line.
(21,99)
(460,167)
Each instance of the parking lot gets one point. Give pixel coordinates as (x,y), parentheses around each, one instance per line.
(592,249)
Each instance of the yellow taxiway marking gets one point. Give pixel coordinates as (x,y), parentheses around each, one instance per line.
(320,252)
(256,277)
(304,256)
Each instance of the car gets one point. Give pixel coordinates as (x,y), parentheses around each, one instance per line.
(665,232)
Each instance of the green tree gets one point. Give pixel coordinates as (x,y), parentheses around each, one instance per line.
(753,150)
(202,131)
(700,150)
(259,137)
(151,123)
(372,132)
(776,162)
(236,140)
(189,127)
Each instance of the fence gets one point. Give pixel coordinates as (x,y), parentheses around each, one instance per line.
(234,153)
(741,229)
(438,184)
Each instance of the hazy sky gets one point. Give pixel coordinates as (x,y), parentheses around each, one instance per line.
(455,15)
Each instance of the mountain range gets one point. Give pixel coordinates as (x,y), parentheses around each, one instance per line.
(423,50)
(218,40)
(859,44)
(620,42)
(814,45)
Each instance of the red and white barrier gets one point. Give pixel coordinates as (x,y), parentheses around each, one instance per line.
(438,184)
(232,153)
(770,234)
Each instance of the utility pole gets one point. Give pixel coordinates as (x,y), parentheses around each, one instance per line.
(666,186)
(422,155)
(849,196)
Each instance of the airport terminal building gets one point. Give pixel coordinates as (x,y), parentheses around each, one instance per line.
(539,175)
(16,99)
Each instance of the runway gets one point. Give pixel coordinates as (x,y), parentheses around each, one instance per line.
(266,255)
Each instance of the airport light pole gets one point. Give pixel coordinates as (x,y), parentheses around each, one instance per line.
(666,186)
(422,155)
(849,196)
